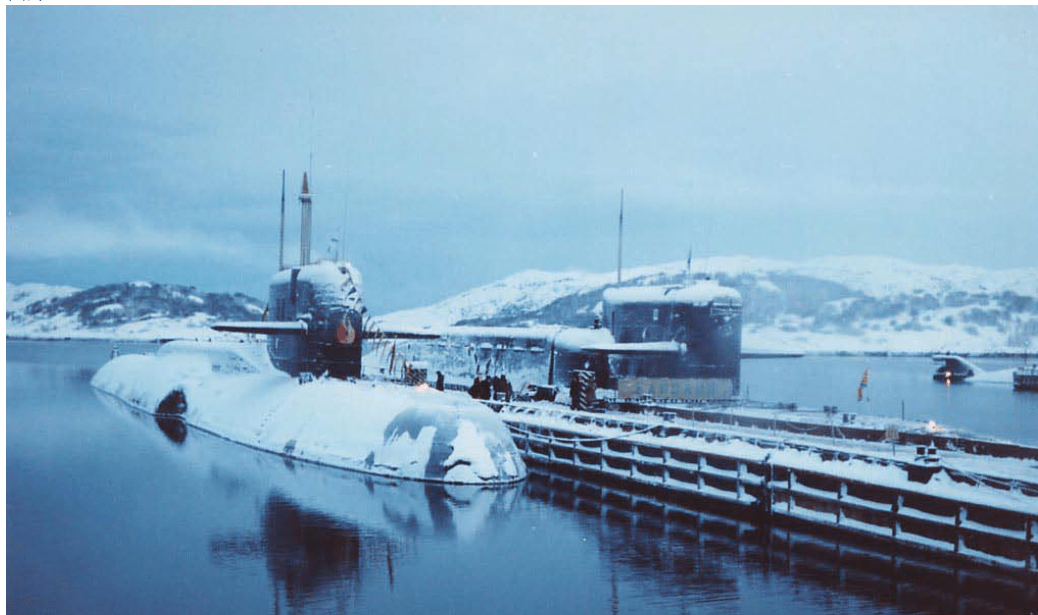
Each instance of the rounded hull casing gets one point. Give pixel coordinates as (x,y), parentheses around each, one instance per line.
(368,426)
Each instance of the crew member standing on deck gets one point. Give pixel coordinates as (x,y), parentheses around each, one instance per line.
(507,387)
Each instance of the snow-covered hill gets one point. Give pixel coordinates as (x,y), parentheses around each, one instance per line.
(834,304)
(134,310)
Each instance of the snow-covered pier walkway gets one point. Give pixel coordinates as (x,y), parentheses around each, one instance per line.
(976,508)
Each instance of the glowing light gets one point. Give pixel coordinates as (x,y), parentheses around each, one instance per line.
(345,333)
(932,426)
(423,386)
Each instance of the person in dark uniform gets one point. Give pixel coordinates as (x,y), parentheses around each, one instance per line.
(476,390)
(507,388)
(439,380)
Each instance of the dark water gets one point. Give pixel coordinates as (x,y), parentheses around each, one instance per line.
(110,512)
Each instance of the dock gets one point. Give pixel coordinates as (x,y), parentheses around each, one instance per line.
(942,498)
(830,422)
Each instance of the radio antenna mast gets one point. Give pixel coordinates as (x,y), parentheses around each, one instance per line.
(688,266)
(620,240)
(310,94)
(342,232)
(281,241)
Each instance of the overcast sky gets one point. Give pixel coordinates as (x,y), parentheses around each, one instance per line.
(471,143)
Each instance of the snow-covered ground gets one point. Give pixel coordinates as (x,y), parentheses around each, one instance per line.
(21,295)
(194,327)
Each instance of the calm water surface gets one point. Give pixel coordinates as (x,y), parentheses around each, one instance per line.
(110,512)
(990,408)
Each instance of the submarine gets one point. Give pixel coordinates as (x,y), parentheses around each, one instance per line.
(953,369)
(303,396)
(680,341)
(677,342)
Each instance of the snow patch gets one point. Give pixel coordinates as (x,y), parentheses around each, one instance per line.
(111,307)
(768,286)
(20,296)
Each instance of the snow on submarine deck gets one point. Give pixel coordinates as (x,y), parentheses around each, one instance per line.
(232,391)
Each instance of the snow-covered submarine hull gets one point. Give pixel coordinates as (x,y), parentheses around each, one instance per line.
(231,390)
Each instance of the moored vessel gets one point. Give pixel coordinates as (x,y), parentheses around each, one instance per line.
(953,368)
(303,397)
(1025,378)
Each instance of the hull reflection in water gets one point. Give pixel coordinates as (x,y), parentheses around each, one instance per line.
(173,427)
(677,551)
(310,556)
(320,528)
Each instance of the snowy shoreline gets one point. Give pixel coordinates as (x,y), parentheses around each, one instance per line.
(748,353)
(827,307)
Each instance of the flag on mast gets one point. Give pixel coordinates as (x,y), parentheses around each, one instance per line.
(864,383)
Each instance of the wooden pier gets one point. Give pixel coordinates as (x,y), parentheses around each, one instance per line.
(959,516)
(754,414)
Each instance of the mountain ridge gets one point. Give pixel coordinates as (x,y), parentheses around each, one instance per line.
(823,305)
(126,310)
(829,304)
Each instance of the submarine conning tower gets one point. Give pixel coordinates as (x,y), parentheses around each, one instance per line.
(325,297)
(314,314)
(703,318)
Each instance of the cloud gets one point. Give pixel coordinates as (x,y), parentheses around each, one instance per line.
(47,233)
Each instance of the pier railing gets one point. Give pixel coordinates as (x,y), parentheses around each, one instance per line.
(727,413)
(994,526)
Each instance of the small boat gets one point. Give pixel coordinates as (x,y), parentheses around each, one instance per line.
(1025,378)
(953,368)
